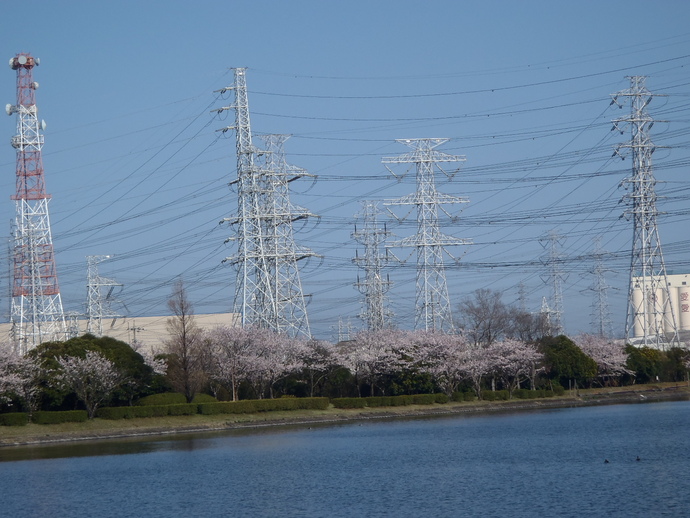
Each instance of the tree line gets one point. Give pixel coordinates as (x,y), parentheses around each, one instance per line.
(498,349)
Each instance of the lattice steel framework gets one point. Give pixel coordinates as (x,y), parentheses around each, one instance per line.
(601,314)
(552,242)
(375,310)
(649,301)
(432,303)
(98,301)
(268,289)
(36,313)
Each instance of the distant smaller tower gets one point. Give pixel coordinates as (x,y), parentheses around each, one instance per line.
(99,291)
(555,277)
(375,311)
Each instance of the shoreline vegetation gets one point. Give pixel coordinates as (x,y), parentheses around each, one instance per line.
(104,429)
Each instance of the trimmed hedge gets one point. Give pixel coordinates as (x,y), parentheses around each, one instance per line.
(248,406)
(532,394)
(132,412)
(65,416)
(173,398)
(383,401)
(251,406)
(14,419)
(183,409)
(349,402)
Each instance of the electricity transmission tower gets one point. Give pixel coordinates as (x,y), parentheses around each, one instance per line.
(650,314)
(601,315)
(375,312)
(98,303)
(268,290)
(546,315)
(432,303)
(344,330)
(36,313)
(555,278)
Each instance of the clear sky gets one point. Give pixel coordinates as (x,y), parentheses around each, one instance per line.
(138,171)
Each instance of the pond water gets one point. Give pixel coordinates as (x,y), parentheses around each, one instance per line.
(540,463)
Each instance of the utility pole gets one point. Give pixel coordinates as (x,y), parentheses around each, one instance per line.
(36,313)
(555,277)
(432,303)
(98,303)
(375,311)
(650,316)
(268,290)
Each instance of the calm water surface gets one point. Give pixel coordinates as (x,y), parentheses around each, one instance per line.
(546,463)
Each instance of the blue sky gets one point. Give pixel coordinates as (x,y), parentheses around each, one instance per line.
(137,169)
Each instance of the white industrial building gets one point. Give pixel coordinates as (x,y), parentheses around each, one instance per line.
(676,308)
(150,332)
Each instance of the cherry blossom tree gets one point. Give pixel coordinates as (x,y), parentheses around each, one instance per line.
(92,378)
(317,359)
(276,357)
(442,356)
(609,355)
(372,354)
(19,379)
(515,359)
(233,355)
(477,362)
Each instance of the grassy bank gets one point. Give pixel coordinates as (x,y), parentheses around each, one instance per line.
(103,429)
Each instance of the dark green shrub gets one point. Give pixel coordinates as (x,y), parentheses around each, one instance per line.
(457,397)
(488,395)
(120,412)
(183,409)
(173,398)
(401,400)
(423,399)
(373,402)
(14,419)
(441,398)
(349,402)
(502,395)
(250,406)
(521,393)
(65,416)
(470,396)
(156,410)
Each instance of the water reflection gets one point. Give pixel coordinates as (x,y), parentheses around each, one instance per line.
(143,445)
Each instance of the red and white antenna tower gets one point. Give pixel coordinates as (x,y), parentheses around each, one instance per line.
(36,307)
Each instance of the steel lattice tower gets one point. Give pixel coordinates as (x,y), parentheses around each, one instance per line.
(98,303)
(375,312)
(601,315)
(432,303)
(555,278)
(268,290)
(649,302)
(36,307)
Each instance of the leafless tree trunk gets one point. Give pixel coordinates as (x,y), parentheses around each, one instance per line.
(186,348)
(485,318)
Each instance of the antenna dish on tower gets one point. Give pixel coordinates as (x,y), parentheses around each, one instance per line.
(43,125)
(22,60)
(8,108)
